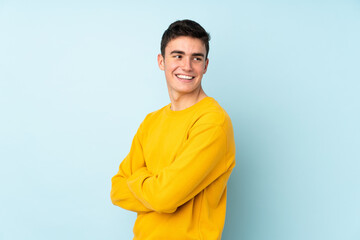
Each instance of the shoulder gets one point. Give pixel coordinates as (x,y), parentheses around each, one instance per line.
(212,113)
(152,117)
(213,118)
(155,114)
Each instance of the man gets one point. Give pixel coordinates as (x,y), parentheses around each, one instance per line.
(181,157)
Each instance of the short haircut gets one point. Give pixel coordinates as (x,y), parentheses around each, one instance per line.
(185,28)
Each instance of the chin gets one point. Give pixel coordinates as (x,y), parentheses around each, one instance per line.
(186,90)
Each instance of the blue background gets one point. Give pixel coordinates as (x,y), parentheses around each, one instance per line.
(78,77)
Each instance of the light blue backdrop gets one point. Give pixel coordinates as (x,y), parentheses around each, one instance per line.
(77,78)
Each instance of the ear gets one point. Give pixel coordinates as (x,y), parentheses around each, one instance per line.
(206,65)
(161,61)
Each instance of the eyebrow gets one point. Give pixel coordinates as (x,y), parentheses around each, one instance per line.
(183,53)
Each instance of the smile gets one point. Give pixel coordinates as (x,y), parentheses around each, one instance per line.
(184,77)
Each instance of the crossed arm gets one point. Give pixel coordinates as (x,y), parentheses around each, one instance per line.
(201,161)
(120,193)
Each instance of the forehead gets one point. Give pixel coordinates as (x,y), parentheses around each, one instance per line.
(185,44)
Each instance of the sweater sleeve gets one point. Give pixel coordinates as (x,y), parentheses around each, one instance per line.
(201,161)
(120,192)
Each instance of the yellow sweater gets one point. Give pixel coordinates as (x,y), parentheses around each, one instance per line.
(176,172)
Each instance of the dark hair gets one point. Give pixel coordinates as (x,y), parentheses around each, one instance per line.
(185,28)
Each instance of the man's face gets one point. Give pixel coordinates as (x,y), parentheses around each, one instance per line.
(184,64)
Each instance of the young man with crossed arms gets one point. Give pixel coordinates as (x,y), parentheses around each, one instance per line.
(182,155)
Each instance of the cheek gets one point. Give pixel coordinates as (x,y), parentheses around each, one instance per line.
(201,69)
(168,70)
(173,64)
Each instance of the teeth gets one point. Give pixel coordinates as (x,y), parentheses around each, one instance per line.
(184,77)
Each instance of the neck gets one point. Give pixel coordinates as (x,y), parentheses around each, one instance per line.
(182,101)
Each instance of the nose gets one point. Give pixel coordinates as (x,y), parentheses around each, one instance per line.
(186,64)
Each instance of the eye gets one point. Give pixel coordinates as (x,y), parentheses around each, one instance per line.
(197,58)
(177,56)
